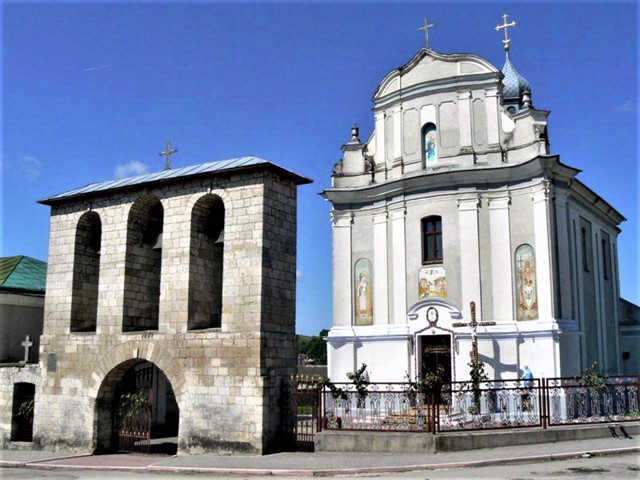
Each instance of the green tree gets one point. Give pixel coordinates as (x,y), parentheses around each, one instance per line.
(313,347)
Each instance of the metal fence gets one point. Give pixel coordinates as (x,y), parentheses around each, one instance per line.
(571,401)
(463,406)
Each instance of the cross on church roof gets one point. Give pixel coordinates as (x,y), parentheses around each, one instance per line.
(167,153)
(426,28)
(27,344)
(505,27)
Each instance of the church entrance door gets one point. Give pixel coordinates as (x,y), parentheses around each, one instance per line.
(435,356)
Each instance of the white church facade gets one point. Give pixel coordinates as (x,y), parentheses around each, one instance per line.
(455,198)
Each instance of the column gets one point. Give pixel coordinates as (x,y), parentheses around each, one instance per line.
(542,228)
(464,119)
(380,270)
(501,264)
(399,265)
(342,223)
(470,255)
(564,255)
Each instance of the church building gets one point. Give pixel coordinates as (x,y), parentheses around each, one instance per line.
(455,202)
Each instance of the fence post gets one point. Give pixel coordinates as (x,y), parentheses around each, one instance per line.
(543,402)
(319,409)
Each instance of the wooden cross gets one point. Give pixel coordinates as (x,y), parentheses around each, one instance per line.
(504,27)
(27,344)
(473,325)
(426,28)
(167,153)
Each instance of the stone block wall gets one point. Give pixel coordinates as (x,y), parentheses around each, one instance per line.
(226,380)
(9,376)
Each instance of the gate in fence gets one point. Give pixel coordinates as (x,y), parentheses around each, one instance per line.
(301,413)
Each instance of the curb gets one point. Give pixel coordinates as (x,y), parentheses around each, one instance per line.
(15,463)
(326,472)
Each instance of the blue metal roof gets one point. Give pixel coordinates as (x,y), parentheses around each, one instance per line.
(165,175)
(514,84)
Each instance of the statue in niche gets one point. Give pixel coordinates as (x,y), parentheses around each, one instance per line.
(430,146)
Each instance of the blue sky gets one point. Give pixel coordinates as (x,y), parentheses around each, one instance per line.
(92,91)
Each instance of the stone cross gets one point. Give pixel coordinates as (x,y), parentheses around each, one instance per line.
(426,28)
(167,153)
(504,27)
(27,344)
(473,325)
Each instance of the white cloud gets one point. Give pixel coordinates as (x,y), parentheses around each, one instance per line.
(29,168)
(98,67)
(130,169)
(299,274)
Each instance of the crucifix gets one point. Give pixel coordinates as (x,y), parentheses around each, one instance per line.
(167,153)
(504,27)
(426,28)
(27,344)
(473,325)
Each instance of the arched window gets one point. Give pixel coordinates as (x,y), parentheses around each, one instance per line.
(432,239)
(526,291)
(206,263)
(430,145)
(86,273)
(143,262)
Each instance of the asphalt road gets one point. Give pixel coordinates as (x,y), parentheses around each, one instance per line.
(607,467)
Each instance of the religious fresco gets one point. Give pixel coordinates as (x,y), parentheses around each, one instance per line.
(430,146)
(432,282)
(363,292)
(526,291)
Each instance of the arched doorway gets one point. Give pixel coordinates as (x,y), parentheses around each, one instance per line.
(136,410)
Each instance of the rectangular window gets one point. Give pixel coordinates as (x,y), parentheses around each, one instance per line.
(432,240)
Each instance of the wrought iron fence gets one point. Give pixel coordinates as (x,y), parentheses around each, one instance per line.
(384,406)
(499,404)
(572,401)
(490,405)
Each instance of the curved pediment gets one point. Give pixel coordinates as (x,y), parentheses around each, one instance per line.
(429,66)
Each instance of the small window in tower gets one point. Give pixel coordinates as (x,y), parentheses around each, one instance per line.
(432,240)
(605,256)
(511,110)
(430,143)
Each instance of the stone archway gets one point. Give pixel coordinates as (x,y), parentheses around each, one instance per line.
(148,381)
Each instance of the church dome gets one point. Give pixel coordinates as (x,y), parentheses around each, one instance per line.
(514,85)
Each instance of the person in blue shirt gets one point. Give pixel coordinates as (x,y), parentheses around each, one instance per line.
(527,376)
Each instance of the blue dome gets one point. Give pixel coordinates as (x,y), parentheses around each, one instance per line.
(514,84)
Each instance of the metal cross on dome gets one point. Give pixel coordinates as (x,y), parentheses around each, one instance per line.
(426,28)
(473,325)
(505,27)
(167,154)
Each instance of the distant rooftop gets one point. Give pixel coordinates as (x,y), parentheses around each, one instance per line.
(23,274)
(243,163)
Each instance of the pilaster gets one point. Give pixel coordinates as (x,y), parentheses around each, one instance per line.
(399,282)
(501,264)
(380,268)
(342,223)
(542,228)
(564,255)
(470,254)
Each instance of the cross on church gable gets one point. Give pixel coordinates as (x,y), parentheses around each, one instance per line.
(27,344)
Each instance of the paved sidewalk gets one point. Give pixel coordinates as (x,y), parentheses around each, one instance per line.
(325,463)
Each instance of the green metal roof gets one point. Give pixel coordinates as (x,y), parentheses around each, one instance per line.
(24,274)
